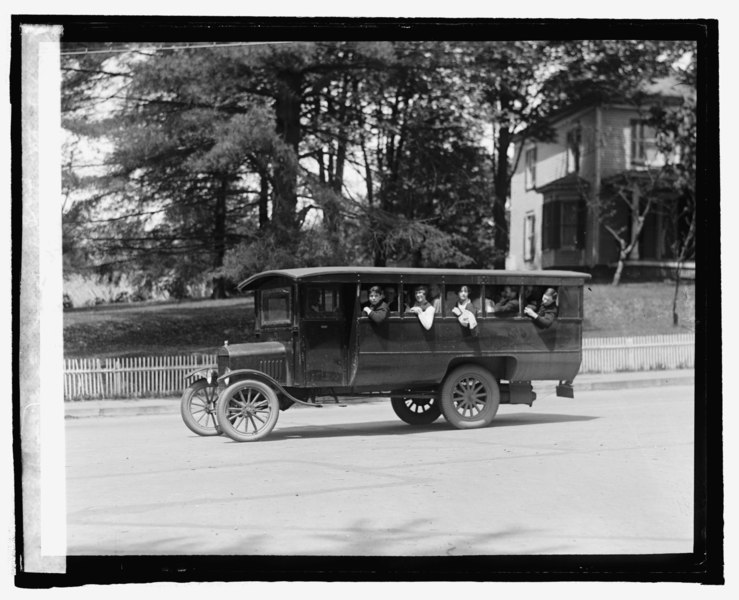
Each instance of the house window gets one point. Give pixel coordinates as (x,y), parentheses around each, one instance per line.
(564,225)
(530,167)
(574,142)
(528,237)
(643,146)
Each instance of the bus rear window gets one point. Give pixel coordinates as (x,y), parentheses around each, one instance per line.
(569,301)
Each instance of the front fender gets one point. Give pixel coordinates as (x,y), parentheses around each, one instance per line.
(233,376)
(208,373)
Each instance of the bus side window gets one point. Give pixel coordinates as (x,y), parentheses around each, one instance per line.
(432,296)
(392,298)
(532,296)
(322,301)
(389,297)
(469,295)
(507,301)
(435,297)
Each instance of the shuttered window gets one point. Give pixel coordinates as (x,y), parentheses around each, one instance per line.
(564,225)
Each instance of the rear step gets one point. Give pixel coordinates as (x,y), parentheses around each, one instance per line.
(565,389)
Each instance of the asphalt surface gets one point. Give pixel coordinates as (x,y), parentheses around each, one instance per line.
(608,472)
(583,383)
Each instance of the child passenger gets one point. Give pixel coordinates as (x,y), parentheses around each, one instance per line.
(547,313)
(423,308)
(376,309)
(508,302)
(391,297)
(464,310)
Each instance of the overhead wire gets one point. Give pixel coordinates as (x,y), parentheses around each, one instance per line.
(185,46)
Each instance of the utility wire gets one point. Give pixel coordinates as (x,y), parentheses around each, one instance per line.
(185,46)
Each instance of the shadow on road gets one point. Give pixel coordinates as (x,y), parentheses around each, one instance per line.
(360,537)
(538,419)
(331,430)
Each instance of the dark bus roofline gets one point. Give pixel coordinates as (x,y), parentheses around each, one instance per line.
(368,274)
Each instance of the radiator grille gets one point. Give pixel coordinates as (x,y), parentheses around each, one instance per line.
(274,368)
(223,361)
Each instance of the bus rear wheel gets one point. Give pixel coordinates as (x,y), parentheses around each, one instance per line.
(470,397)
(415,411)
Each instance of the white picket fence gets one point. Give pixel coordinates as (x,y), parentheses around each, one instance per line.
(643,353)
(165,375)
(87,378)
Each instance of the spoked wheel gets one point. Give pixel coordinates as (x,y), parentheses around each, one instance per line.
(416,411)
(248,410)
(198,408)
(470,397)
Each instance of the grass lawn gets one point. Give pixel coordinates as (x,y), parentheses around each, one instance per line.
(201,326)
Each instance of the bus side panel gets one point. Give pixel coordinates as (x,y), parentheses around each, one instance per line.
(552,353)
(400,352)
(382,360)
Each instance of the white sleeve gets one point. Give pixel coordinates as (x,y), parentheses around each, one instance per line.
(427,317)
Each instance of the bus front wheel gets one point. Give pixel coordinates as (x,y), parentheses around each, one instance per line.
(248,410)
(470,397)
(198,408)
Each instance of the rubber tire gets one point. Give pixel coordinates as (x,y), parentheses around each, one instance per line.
(198,417)
(243,391)
(456,400)
(403,407)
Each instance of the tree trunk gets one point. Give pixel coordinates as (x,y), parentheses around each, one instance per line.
(285,200)
(219,236)
(501,181)
(331,205)
(338,176)
(674,297)
(619,269)
(263,200)
(684,253)
(379,238)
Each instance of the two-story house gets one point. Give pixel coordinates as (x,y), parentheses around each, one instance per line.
(558,187)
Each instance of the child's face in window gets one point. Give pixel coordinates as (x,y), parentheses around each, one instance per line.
(374,297)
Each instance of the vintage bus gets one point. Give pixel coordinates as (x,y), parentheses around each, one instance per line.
(313,343)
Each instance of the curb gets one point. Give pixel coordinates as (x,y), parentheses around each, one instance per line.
(633,383)
(87,409)
(119,411)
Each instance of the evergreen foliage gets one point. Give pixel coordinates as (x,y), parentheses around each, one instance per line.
(221,161)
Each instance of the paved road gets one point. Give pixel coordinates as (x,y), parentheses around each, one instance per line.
(607,472)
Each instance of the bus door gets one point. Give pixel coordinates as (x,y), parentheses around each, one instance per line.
(323,336)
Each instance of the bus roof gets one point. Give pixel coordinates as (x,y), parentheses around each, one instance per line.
(397,274)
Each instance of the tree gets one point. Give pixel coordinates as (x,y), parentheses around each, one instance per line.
(176,190)
(512,81)
(626,200)
(677,138)
(422,161)
(254,153)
